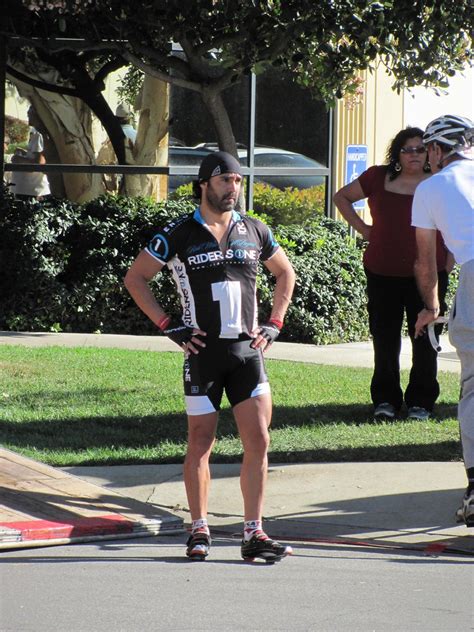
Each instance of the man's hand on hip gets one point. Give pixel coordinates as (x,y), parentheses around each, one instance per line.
(265,335)
(184,336)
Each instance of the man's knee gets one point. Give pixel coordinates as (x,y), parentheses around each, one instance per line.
(256,442)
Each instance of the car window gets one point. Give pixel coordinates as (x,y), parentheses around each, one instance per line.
(186,156)
(285,160)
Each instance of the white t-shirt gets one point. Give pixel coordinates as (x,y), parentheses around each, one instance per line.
(446,202)
(32,183)
(129,132)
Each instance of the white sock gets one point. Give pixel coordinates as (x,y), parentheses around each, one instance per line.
(251,528)
(200,525)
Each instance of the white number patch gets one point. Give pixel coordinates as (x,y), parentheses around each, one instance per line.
(229,296)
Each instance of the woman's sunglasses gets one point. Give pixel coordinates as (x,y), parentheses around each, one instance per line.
(413,150)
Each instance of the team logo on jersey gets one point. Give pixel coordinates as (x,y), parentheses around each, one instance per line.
(241,228)
(216,256)
(158,247)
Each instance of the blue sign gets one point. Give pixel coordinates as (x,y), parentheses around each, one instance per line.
(356,163)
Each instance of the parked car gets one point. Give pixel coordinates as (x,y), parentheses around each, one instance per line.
(263,157)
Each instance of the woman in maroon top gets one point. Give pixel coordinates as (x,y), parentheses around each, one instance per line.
(391,287)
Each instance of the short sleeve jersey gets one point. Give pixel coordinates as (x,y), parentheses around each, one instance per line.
(392,246)
(216,283)
(446,202)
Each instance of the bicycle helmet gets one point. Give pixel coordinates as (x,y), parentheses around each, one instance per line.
(455,132)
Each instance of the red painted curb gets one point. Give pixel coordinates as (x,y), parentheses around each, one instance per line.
(79,527)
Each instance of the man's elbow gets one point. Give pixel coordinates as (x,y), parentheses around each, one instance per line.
(128,280)
(336,198)
(37,158)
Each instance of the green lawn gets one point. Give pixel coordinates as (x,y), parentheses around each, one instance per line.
(86,406)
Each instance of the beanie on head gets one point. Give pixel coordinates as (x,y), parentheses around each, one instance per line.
(216,163)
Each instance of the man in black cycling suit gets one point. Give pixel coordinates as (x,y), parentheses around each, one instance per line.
(213,255)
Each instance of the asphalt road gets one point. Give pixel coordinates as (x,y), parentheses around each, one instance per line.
(147,584)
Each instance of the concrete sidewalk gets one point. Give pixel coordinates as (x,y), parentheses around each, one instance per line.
(400,505)
(392,505)
(356,354)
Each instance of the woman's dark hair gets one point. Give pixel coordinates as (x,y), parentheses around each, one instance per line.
(393,151)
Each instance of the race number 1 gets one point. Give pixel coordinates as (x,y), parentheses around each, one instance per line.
(229,296)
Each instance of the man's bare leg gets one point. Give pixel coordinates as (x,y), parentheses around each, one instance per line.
(253,417)
(201,437)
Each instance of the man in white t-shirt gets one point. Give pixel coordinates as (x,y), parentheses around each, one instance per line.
(30,184)
(124,115)
(445,202)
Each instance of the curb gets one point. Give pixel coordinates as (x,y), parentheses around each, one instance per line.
(42,506)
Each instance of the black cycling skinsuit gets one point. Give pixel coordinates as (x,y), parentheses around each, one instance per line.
(217,286)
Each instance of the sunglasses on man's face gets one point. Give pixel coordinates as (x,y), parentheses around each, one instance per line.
(413,150)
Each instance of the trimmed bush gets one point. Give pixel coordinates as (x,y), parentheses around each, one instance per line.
(287,206)
(290,206)
(63,266)
(329,303)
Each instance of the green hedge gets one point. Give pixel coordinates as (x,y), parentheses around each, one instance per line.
(63,266)
(329,302)
(290,206)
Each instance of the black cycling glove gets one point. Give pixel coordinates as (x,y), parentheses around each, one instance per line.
(270,332)
(178,332)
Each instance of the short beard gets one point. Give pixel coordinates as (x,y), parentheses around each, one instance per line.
(220,205)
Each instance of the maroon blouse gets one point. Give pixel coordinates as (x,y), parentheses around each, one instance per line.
(392,246)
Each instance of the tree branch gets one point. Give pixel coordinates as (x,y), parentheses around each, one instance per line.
(42,85)
(150,70)
(171,61)
(110,66)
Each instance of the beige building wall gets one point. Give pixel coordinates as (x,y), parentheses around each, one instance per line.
(373,122)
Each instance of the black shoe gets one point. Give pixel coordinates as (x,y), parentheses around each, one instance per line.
(198,545)
(385,411)
(465,513)
(419,413)
(265,548)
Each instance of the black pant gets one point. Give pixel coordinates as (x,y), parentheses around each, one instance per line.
(388,299)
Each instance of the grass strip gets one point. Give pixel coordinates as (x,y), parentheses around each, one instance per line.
(88,406)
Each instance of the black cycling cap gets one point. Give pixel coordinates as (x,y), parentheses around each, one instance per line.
(216,163)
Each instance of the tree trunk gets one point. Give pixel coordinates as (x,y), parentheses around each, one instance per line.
(151,146)
(225,136)
(69,124)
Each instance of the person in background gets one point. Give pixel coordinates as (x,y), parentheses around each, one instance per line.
(124,115)
(213,254)
(389,267)
(446,203)
(32,185)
